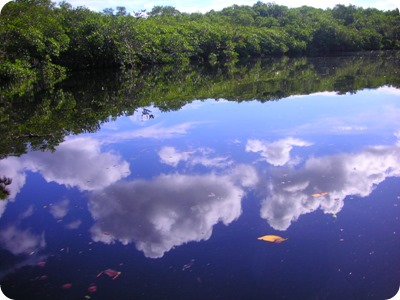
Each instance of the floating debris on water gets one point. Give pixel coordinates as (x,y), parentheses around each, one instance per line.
(319,194)
(188,265)
(272,238)
(111,273)
(66,286)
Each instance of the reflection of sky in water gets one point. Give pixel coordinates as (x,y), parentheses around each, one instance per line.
(289,191)
(161,183)
(169,210)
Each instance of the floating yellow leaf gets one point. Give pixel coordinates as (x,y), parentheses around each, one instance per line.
(320,194)
(272,238)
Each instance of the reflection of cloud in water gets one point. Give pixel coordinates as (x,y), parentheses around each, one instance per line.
(3,205)
(153,132)
(349,128)
(289,191)
(387,90)
(80,163)
(170,156)
(19,241)
(169,210)
(27,213)
(319,94)
(276,153)
(60,209)
(12,168)
(73,225)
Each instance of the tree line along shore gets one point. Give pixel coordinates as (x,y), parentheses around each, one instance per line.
(42,40)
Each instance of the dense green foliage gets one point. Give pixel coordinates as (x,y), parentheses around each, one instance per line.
(31,35)
(41,118)
(39,40)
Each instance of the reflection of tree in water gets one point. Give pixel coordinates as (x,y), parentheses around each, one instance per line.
(4,192)
(146,114)
(32,119)
(345,85)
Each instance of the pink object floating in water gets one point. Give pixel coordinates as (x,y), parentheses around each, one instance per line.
(92,289)
(109,272)
(41,263)
(112,273)
(67,286)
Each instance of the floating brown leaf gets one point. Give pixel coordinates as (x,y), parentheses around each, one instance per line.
(272,238)
(320,194)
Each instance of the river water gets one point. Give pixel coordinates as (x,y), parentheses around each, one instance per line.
(159,187)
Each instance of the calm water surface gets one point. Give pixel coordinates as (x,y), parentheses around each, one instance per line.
(170,205)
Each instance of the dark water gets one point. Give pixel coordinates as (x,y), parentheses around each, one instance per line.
(174,193)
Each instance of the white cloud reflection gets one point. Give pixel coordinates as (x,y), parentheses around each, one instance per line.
(169,210)
(390,90)
(27,213)
(73,225)
(19,241)
(156,131)
(202,156)
(169,156)
(289,191)
(77,162)
(12,168)
(60,209)
(276,153)
(318,94)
